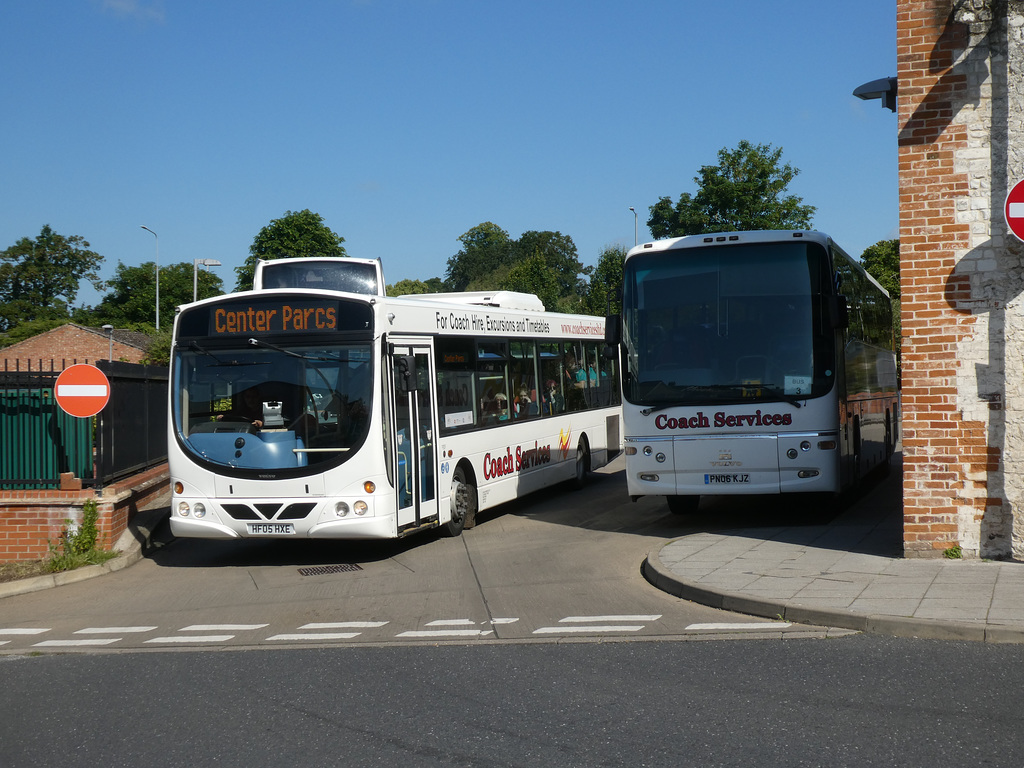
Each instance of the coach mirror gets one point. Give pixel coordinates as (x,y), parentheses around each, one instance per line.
(612,335)
(406,380)
(838,312)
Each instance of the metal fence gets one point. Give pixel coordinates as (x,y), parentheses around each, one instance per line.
(39,442)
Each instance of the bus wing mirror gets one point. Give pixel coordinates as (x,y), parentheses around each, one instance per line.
(612,335)
(406,379)
(838,312)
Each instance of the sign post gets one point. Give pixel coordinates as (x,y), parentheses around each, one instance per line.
(82,390)
(1014,210)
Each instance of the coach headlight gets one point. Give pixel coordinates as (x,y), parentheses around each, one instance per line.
(360,507)
(183,508)
(341,509)
(199,510)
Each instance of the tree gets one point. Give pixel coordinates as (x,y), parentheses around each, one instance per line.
(39,278)
(558,252)
(745,191)
(605,282)
(294,235)
(533,275)
(485,248)
(131,299)
(413,287)
(882,262)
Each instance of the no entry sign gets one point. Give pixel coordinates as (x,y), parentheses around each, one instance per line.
(82,390)
(1014,210)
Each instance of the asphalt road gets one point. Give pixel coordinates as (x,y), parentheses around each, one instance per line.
(855,701)
(558,565)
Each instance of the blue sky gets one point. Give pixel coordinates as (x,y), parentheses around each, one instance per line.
(404,123)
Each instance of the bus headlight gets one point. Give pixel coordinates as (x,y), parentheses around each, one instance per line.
(360,507)
(199,510)
(183,509)
(341,509)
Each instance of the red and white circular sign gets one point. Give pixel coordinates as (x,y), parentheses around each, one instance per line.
(82,390)
(1014,209)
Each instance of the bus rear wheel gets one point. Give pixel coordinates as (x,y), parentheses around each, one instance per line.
(582,465)
(464,504)
(683,505)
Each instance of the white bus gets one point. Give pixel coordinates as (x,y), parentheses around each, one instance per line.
(753,363)
(325,414)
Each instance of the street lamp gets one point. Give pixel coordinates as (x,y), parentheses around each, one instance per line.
(635,230)
(110,337)
(157,274)
(195,273)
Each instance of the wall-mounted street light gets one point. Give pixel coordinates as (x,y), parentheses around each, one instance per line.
(195,273)
(884,89)
(157,274)
(635,230)
(110,338)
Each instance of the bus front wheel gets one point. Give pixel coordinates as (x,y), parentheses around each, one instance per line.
(464,503)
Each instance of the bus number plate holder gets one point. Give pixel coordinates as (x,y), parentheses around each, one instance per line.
(726,478)
(270,529)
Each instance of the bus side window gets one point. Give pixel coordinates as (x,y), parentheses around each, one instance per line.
(574,375)
(524,380)
(552,394)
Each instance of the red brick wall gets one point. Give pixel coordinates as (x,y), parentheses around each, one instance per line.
(939,447)
(66,344)
(30,520)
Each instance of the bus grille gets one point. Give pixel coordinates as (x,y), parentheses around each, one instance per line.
(267,511)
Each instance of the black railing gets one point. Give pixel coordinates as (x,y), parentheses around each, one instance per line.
(39,442)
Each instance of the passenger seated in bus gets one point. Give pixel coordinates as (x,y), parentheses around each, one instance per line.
(551,399)
(501,406)
(523,405)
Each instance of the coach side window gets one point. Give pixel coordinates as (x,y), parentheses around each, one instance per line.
(456,384)
(524,395)
(492,383)
(552,386)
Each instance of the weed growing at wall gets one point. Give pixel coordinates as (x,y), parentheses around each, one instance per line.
(77,544)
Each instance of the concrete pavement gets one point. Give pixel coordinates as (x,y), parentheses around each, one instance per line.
(847,572)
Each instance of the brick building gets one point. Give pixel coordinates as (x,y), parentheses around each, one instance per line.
(961,146)
(69,344)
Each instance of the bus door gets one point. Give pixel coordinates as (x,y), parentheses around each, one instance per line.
(415,451)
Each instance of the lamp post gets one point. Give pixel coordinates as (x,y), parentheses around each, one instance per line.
(635,225)
(195,273)
(110,337)
(157,274)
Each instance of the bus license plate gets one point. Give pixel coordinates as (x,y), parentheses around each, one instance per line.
(726,479)
(271,529)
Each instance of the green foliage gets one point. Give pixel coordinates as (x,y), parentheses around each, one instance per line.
(39,278)
(297,234)
(131,298)
(953,553)
(559,254)
(485,248)
(159,350)
(605,282)
(77,544)
(745,191)
(30,328)
(882,262)
(414,287)
(533,275)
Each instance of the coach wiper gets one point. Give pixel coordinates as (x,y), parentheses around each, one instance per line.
(690,388)
(782,396)
(283,351)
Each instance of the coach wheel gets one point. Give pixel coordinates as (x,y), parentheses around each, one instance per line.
(582,465)
(464,504)
(683,505)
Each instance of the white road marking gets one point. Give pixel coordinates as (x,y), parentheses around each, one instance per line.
(344,625)
(747,625)
(450,622)
(222,627)
(583,619)
(316,636)
(590,628)
(22,631)
(193,639)
(502,621)
(112,630)
(446,633)
(76,643)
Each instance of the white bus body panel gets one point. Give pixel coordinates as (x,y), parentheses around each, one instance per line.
(737,456)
